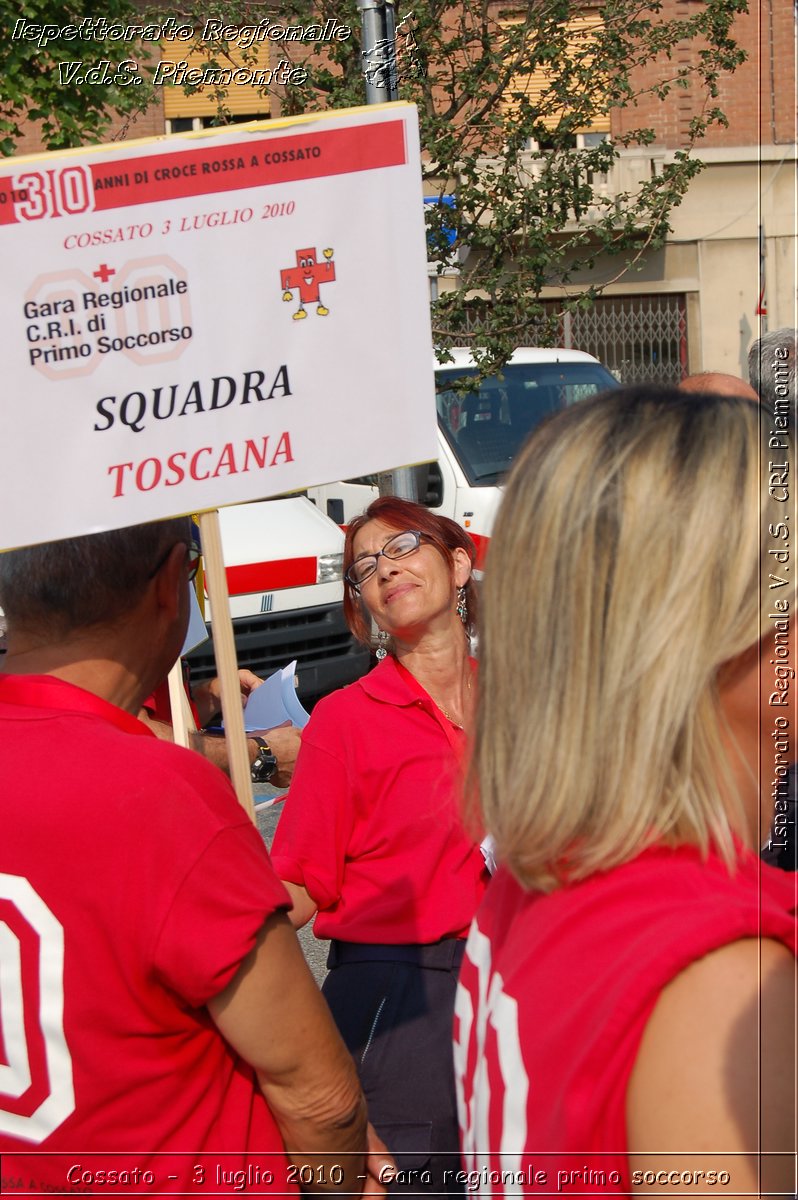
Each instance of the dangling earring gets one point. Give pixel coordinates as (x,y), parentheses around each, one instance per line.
(461,607)
(382,642)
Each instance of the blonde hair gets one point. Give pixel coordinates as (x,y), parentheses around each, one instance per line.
(624,571)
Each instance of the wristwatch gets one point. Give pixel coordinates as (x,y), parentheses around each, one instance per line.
(265,764)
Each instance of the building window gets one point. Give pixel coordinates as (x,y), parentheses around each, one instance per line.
(182,124)
(195,124)
(535,86)
(199,110)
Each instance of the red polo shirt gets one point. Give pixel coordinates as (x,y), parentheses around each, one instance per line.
(159,706)
(371,826)
(555,994)
(132,886)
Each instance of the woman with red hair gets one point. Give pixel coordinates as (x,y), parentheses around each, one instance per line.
(371,838)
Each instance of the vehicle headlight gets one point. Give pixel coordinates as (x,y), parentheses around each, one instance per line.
(330,568)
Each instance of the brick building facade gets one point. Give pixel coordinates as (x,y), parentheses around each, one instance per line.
(141,125)
(696,302)
(728,269)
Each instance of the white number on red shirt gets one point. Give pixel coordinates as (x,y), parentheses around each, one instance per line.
(492,1099)
(17,995)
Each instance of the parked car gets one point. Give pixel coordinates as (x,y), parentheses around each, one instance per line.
(283,563)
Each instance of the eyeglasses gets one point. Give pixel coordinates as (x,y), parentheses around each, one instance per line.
(193,553)
(398,546)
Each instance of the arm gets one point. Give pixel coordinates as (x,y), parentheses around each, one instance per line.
(284,743)
(714,1075)
(274,1016)
(159,728)
(303,907)
(310,847)
(212,748)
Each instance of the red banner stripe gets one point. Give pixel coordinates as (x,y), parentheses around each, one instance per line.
(271,576)
(256,161)
(481,542)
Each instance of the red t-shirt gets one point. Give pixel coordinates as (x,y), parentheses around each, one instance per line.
(554,995)
(371,826)
(132,885)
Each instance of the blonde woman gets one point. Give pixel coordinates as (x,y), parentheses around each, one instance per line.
(625,1017)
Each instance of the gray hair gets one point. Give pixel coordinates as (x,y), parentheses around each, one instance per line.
(771,369)
(624,571)
(58,587)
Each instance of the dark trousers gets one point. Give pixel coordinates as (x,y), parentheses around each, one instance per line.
(394,1006)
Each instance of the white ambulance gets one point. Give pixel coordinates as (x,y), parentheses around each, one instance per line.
(283,561)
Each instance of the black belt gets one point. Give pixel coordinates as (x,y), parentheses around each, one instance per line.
(445,955)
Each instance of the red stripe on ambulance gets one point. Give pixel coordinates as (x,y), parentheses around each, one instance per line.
(271,576)
(481,542)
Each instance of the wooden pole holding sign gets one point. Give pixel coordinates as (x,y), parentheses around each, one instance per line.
(226,661)
(182,716)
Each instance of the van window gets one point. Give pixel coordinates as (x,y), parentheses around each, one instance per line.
(487,426)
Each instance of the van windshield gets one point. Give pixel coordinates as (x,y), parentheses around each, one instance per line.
(487,427)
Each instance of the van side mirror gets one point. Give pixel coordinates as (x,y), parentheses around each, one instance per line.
(335,510)
(429,482)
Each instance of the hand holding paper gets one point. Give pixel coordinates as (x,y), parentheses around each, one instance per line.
(275,703)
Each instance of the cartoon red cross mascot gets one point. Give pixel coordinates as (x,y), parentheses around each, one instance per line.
(307,276)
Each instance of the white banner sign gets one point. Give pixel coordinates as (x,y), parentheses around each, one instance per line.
(198,321)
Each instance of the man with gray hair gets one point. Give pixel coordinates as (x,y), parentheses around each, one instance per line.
(160,1018)
(772,371)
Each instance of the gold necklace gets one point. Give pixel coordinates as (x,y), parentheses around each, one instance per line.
(448,715)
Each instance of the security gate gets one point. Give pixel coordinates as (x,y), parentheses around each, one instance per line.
(642,339)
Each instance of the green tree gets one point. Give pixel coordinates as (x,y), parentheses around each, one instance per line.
(521,219)
(38,84)
(516,219)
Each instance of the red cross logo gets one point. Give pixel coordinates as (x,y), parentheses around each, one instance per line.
(307,276)
(104,274)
